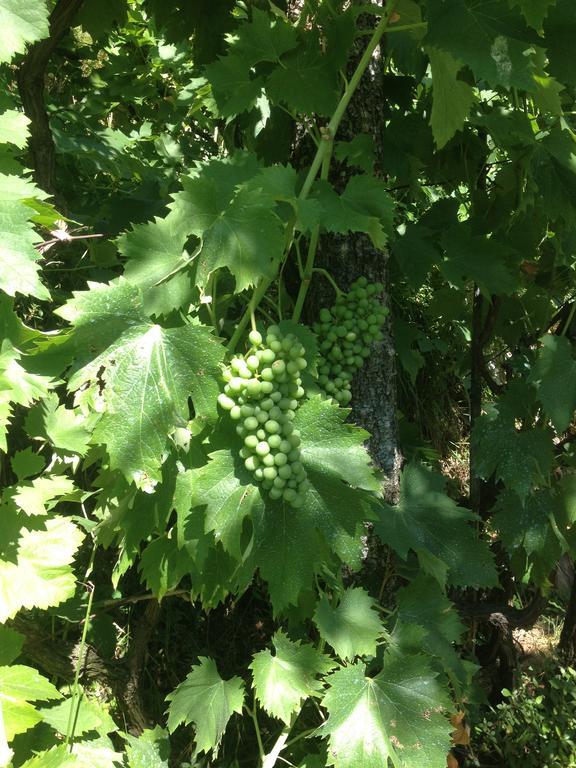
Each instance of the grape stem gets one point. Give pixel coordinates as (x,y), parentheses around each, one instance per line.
(323,152)
(328,276)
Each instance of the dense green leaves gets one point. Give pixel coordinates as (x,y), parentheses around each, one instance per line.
(555,377)
(352,627)
(452,98)
(206,700)
(428,522)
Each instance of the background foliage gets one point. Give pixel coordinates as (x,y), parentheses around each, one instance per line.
(166,172)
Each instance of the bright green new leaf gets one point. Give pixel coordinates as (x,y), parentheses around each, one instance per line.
(451,98)
(149,750)
(56,757)
(18,254)
(42,494)
(554,374)
(26,463)
(520,459)
(487,35)
(353,627)
(14,128)
(284,680)
(149,374)
(397,715)
(42,575)
(206,700)
(65,428)
(89,715)
(21,23)
(20,685)
(427,519)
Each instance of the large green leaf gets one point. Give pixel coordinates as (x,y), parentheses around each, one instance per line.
(452,98)
(40,574)
(554,373)
(429,522)
(19,686)
(286,542)
(21,23)
(397,715)
(149,373)
(236,222)
(520,458)
(88,714)
(487,35)
(284,680)
(14,128)
(18,254)
(206,700)
(353,627)
(559,31)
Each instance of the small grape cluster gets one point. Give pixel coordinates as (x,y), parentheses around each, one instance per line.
(262,391)
(345,333)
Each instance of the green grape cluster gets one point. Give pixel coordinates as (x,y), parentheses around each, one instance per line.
(345,333)
(262,392)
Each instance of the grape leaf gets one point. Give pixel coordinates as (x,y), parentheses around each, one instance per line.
(149,374)
(284,680)
(518,458)
(14,128)
(17,386)
(451,98)
(21,24)
(26,463)
(534,11)
(416,253)
(559,32)
(263,38)
(554,374)
(307,82)
(157,264)
(206,700)
(398,715)
(56,757)
(41,494)
(353,627)
(488,35)
(149,750)
(11,643)
(364,206)
(234,89)
(88,713)
(40,576)
(527,525)
(20,685)
(287,541)
(427,519)
(65,428)
(471,257)
(238,227)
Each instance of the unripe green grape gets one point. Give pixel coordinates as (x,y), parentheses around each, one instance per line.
(279,482)
(267,387)
(268,460)
(274,441)
(251,463)
(267,485)
(255,338)
(260,434)
(270,473)
(251,441)
(278,367)
(245,373)
(267,356)
(280,459)
(236,384)
(262,449)
(285,471)
(225,402)
(276,493)
(272,427)
(251,423)
(294,455)
(258,473)
(235,412)
(240,430)
(297,501)
(253,388)
(262,417)
(253,362)
(274,331)
(289,494)
(275,346)
(267,374)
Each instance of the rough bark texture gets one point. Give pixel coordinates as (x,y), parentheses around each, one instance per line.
(31,87)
